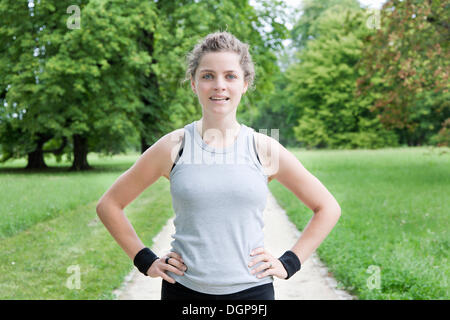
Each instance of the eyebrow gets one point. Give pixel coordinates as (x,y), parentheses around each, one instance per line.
(208,70)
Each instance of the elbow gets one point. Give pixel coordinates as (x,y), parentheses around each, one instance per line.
(105,206)
(332,207)
(331,211)
(339,213)
(336,209)
(99,208)
(102,204)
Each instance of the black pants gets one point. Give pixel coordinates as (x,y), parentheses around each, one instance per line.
(177,291)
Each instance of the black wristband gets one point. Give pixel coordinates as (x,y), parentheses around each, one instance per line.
(144,259)
(290,262)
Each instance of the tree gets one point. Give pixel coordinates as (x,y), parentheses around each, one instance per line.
(26,42)
(322,86)
(114,83)
(306,27)
(92,81)
(277,112)
(406,64)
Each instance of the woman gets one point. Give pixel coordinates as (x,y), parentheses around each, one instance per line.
(218,171)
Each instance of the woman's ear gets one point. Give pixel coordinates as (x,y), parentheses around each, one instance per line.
(245,87)
(193,85)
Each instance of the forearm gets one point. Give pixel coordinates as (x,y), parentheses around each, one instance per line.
(120,228)
(315,232)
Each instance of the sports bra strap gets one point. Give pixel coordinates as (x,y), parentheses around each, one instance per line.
(179,152)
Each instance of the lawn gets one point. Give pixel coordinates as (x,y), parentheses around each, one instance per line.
(50,231)
(391,241)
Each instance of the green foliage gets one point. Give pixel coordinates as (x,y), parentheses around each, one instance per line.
(275,112)
(442,138)
(95,68)
(31,35)
(305,27)
(322,86)
(406,66)
(115,81)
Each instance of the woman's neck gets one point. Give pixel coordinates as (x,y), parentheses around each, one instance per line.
(220,134)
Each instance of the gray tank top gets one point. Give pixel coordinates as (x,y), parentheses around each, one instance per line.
(218,195)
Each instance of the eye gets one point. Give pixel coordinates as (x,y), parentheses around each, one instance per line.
(232,76)
(205,76)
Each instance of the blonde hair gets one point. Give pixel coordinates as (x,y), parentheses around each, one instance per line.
(221,42)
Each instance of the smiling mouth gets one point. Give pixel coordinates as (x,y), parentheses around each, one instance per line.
(219,99)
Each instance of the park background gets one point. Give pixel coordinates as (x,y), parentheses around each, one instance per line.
(359,95)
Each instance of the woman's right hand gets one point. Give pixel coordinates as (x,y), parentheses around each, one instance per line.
(159,267)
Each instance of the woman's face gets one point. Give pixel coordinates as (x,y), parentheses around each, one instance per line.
(219,82)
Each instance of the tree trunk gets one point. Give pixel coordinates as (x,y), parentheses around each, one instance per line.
(144,144)
(150,90)
(80,151)
(36,158)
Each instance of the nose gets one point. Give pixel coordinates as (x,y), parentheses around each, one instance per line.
(219,84)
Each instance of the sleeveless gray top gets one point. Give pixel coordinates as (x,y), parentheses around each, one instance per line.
(218,196)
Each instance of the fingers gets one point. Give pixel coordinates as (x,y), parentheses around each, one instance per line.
(259,258)
(170,262)
(166,277)
(256,251)
(266,273)
(263,266)
(175,255)
(173,269)
(262,255)
(176,261)
(268,267)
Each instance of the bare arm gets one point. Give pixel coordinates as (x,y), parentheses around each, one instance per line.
(281,164)
(110,208)
(151,165)
(291,173)
(126,188)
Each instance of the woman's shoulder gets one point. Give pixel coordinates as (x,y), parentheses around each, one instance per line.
(265,143)
(267,149)
(176,135)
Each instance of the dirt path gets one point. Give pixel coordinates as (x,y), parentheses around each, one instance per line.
(312,282)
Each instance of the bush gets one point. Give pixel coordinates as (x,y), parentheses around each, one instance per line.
(312,133)
(442,138)
(364,140)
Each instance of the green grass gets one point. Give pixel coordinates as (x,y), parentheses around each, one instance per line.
(27,198)
(395,212)
(51,225)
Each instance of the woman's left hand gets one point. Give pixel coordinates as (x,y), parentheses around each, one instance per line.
(271,266)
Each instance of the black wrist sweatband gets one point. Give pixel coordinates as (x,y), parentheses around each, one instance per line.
(144,259)
(291,263)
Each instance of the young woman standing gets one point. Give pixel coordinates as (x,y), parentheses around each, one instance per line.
(218,171)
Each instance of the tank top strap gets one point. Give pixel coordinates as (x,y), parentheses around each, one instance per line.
(189,143)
